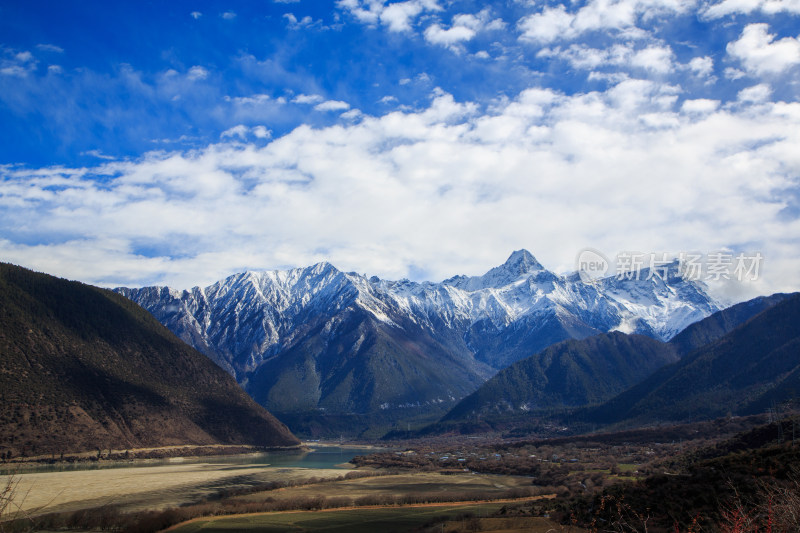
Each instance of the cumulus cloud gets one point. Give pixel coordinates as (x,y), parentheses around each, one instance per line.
(700,105)
(17,63)
(746,7)
(197,73)
(761,54)
(332,105)
(702,66)
(756,93)
(550,25)
(239,131)
(451,186)
(304,22)
(557,23)
(261,132)
(396,16)
(653,59)
(242,132)
(256,99)
(463,28)
(307,99)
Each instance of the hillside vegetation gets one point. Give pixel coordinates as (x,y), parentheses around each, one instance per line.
(83,368)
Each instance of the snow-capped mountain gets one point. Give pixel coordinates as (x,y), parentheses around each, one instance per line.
(317,338)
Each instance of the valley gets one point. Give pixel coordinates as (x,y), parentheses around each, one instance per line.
(111,422)
(334,353)
(446,483)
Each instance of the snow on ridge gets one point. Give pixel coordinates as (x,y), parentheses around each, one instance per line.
(251,316)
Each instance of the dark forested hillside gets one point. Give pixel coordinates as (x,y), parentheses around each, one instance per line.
(568,374)
(744,371)
(83,368)
(741,359)
(722,322)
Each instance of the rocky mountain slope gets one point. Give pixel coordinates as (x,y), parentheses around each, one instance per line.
(318,339)
(745,371)
(83,368)
(578,373)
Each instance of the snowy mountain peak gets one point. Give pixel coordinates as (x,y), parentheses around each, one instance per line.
(521,262)
(520,265)
(304,322)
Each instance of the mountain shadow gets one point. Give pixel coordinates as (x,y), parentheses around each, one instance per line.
(83,368)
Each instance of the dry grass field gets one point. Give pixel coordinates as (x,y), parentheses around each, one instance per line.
(474,486)
(143,487)
(447,518)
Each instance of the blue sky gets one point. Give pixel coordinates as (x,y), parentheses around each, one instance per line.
(181,142)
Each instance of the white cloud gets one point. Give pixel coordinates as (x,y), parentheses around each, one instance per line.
(396,16)
(746,7)
(99,155)
(242,132)
(702,66)
(451,187)
(239,131)
(50,48)
(548,26)
(734,73)
(761,54)
(557,23)
(228,15)
(295,24)
(332,105)
(353,114)
(464,27)
(437,35)
(756,94)
(256,99)
(195,15)
(18,64)
(307,99)
(197,73)
(653,59)
(700,105)
(261,132)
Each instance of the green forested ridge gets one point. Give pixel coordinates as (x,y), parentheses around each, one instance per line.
(583,373)
(745,371)
(722,322)
(83,368)
(568,374)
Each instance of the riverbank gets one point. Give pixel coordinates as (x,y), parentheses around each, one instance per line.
(155,484)
(133,454)
(146,487)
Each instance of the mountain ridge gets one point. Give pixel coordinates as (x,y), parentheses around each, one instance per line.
(740,372)
(84,368)
(602,366)
(469,326)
